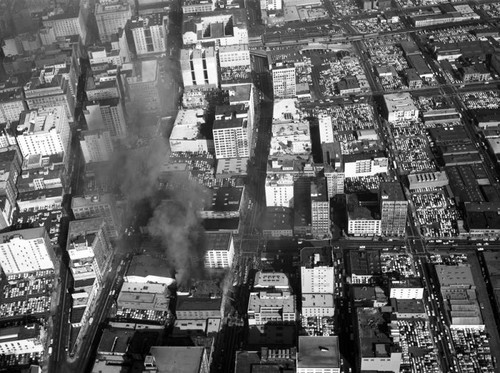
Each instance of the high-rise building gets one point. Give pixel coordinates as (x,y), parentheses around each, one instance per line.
(199,67)
(110,17)
(224,27)
(10,169)
(271,4)
(97,206)
(393,208)
(96,145)
(317,274)
(26,250)
(11,104)
(107,114)
(67,23)
(334,181)
(50,90)
(149,33)
(232,137)
(45,131)
(320,209)
(219,250)
(88,245)
(284,81)
(279,190)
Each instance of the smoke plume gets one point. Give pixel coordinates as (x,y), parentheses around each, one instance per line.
(175,221)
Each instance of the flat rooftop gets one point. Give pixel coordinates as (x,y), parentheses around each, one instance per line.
(271,279)
(311,257)
(454,275)
(318,352)
(146,265)
(174,359)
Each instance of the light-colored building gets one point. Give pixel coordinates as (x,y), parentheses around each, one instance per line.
(393,209)
(110,17)
(279,190)
(320,209)
(365,164)
(149,33)
(335,181)
(284,81)
(26,250)
(400,106)
(326,134)
(423,180)
(219,250)
(410,288)
(11,104)
(234,55)
(226,27)
(318,305)
(65,24)
(317,274)
(145,288)
(186,134)
(198,6)
(271,303)
(232,138)
(107,114)
(318,355)
(96,145)
(199,67)
(44,131)
(19,340)
(49,89)
(89,249)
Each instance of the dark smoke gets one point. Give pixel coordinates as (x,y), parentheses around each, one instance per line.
(171,215)
(175,221)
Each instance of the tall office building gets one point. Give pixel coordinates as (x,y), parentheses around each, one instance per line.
(232,136)
(199,67)
(320,209)
(107,114)
(66,23)
(26,250)
(279,190)
(96,145)
(149,33)
(284,81)
(44,131)
(50,90)
(317,273)
(10,169)
(88,245)
(98,206)
(220,250)
(110,17)
(11,104)
(394,209)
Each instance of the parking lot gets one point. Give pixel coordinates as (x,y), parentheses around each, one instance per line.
(420,355)
(436,213)
(472,350)
(481,100)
